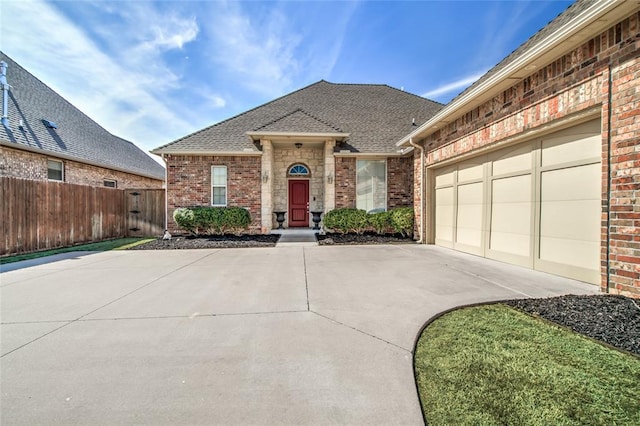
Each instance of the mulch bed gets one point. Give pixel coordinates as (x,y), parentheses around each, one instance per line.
(366,238)
(207,242)
(614,320)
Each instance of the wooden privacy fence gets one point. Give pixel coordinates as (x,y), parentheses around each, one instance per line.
(39,215)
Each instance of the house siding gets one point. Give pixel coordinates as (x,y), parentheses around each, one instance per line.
(189,184)
(345,182)
(33,166)
(399,182)
(575,84)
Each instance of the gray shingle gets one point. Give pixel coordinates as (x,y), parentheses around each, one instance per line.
(77,136)
(375,116)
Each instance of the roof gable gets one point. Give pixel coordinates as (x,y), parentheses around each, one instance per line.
(374,116)
(76,137)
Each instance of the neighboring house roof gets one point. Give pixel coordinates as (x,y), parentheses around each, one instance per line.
(581,21)
(77,137)
(370,118)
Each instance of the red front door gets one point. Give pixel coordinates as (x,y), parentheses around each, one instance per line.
(298,203)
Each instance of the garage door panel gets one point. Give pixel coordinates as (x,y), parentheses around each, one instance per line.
(469,218)
(579,253)
(570,220)
(578,143)
(573,183)
(444,177)
(444,216)
(512,161)
(511,211)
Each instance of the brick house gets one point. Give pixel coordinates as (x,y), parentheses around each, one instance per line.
(538,162)
(44,137)
(322,147)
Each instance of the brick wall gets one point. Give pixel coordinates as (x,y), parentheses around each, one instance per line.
(29,165)
(573,84)
(399,182)
(189,184)
(345,182)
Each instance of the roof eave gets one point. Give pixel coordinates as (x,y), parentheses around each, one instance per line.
(564,39)
(256,135)
(166,152)
(78,160)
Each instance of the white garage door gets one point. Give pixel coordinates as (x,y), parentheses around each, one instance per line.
(536,204)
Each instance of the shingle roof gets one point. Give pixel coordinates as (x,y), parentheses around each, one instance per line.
(375,117)
(296,120)
(77,136)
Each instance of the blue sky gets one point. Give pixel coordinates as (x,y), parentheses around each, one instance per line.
(154,71)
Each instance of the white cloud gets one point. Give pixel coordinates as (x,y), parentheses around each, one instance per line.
(126,90)
(258,51)
(454,86)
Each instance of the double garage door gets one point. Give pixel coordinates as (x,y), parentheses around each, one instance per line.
(537,204)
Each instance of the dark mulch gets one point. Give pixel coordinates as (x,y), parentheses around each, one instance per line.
(614,320)
(366,238)
(205,242)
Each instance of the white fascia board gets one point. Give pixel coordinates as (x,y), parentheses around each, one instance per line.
(218,153)
(372,154)
(296,135)
(596,11)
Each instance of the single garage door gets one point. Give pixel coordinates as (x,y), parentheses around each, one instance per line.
(536,204)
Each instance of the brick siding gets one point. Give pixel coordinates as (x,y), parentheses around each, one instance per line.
(33,166)
(575,83)
(189,184)
(399,182)
(345,182)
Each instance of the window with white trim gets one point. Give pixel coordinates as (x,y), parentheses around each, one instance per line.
(371,185)
(55,170)
(110,183)
(219,186)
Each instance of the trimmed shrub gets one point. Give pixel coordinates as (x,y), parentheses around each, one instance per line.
(380,222)
(346,220)
(402,220)
(185,219)
(212,220)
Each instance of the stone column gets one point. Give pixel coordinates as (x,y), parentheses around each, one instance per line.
(266,177)
(329,176)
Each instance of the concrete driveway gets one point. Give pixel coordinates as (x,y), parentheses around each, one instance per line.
(287,335)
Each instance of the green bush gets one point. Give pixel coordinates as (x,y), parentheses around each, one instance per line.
(346,220)
(380,222)
(185,219)
(402,220)
(212,220)
(399,220)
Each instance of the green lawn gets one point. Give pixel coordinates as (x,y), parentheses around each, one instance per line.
(117,244)
(492,365)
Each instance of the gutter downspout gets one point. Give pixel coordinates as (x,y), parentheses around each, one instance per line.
(609,114)
(166,193)
(422,190)
(5,94)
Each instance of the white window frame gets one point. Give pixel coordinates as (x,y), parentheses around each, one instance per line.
(225,186)
(51,160)
(386,180)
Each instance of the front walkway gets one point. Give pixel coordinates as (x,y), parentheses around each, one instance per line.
(285,335)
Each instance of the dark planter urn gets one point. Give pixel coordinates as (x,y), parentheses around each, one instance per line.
(316,220)
(279,219)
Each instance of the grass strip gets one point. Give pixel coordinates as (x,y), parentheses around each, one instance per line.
(117,244)
(491,365)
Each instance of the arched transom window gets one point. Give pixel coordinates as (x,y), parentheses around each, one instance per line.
(298,170)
